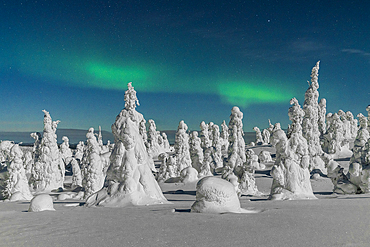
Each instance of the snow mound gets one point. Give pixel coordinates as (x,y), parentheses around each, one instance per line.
(216,195)
(41,202)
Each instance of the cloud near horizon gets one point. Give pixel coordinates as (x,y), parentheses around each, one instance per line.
(356,51)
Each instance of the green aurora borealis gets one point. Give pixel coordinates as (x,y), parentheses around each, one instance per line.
(147,78)
(236,93)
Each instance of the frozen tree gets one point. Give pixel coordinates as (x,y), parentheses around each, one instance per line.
(16,183)
(196,151)
(100,138)
(322,117)
(259,138)
(365,165)
(216,149)
(166,144)
(236,125)
(65,151)
(236,170)
(336,139)
(172,166)
(36,149)
(253,160)
(48,170)
(168,167)
(357,180)
(368,117)
(153,134)
(310,124)
(76,174)
(291,177)
(160,142)
(204,135)
(142,131)
(236,140)
(247,183)
(346,125)
(163,173)
(27,163)
(264,157)
(182,149)
(79,151)
(5,147)
(336,133)
(129,177)
(93,171)
(224,136)
(206,166)
(271,127)
(295,114)
(329,119)
(362,138)
(347,136)
(153,140)
(210,128)
(212,148)
(354,175)
(353,124)
(266,136)
(341,181)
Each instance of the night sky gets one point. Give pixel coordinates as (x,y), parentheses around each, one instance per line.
(188,60)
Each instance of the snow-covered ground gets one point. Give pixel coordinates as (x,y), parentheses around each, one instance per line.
(333,220)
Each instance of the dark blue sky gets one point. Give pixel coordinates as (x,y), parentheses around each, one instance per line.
(188,60)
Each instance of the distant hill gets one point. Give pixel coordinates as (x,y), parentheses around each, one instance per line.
(77,135)
(74,135)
